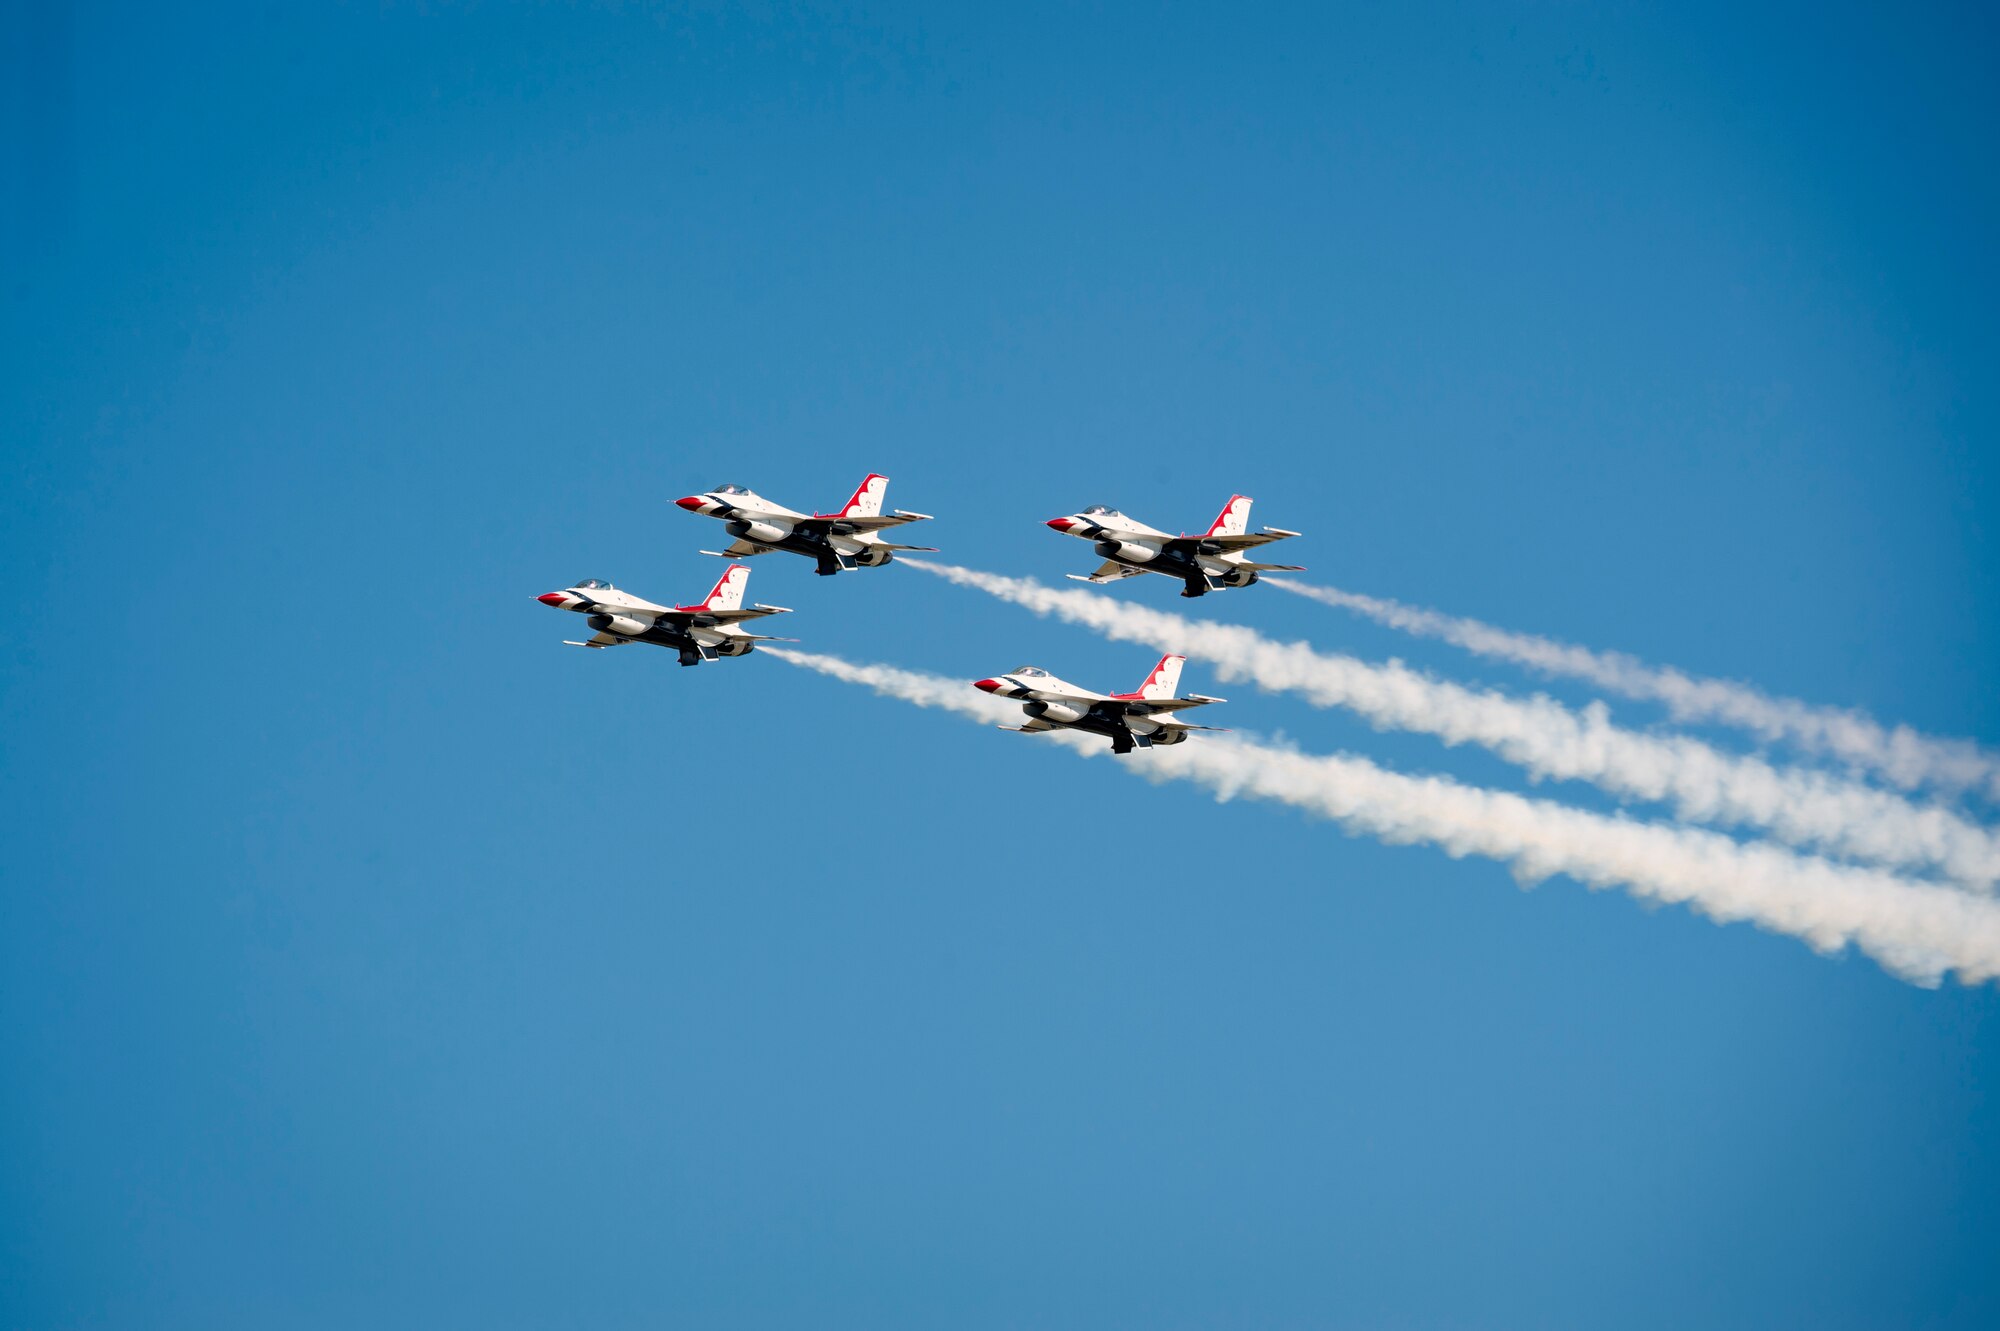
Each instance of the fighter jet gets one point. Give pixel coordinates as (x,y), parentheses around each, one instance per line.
(698,632)
(1212,559)
(833,540)
(1143,718)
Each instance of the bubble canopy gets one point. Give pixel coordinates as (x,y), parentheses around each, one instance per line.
(594,585)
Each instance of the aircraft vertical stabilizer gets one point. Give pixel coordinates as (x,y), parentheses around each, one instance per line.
(1166,677)
(1234,519)
(866,501)
(728,593)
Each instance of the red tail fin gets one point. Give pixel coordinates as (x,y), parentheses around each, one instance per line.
(866,501)
(1233,520)
(728,591)
(1166,677)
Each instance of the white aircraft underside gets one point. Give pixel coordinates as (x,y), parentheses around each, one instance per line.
(1139,719)
(1200,563)
(700,632)
(848,539)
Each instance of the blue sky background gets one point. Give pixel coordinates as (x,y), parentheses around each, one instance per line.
(370,959)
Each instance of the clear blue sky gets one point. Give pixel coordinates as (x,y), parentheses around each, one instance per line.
(370,959)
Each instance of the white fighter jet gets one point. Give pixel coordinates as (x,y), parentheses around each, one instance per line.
(698,632)
(1212,559)
(834,541)
(1143,718)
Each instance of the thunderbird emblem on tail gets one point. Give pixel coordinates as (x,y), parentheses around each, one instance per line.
(1142,718)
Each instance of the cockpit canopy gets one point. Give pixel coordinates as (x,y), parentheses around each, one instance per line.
(1029,672)
(595,585)
(729,490)
(1100,511)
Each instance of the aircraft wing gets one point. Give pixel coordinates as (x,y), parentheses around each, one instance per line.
(705,618)
(599,640)
(740,550)
(1080,697)
(1111,571)
(1246,541)
(1155,706)
(738,616)
(875,522)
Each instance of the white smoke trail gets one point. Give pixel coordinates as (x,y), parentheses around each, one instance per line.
(1915,930)
(1700,782)
(1901,756)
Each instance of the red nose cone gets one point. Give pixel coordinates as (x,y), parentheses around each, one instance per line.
(552,598)
(987,685)
(692,503)
(1062,524)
